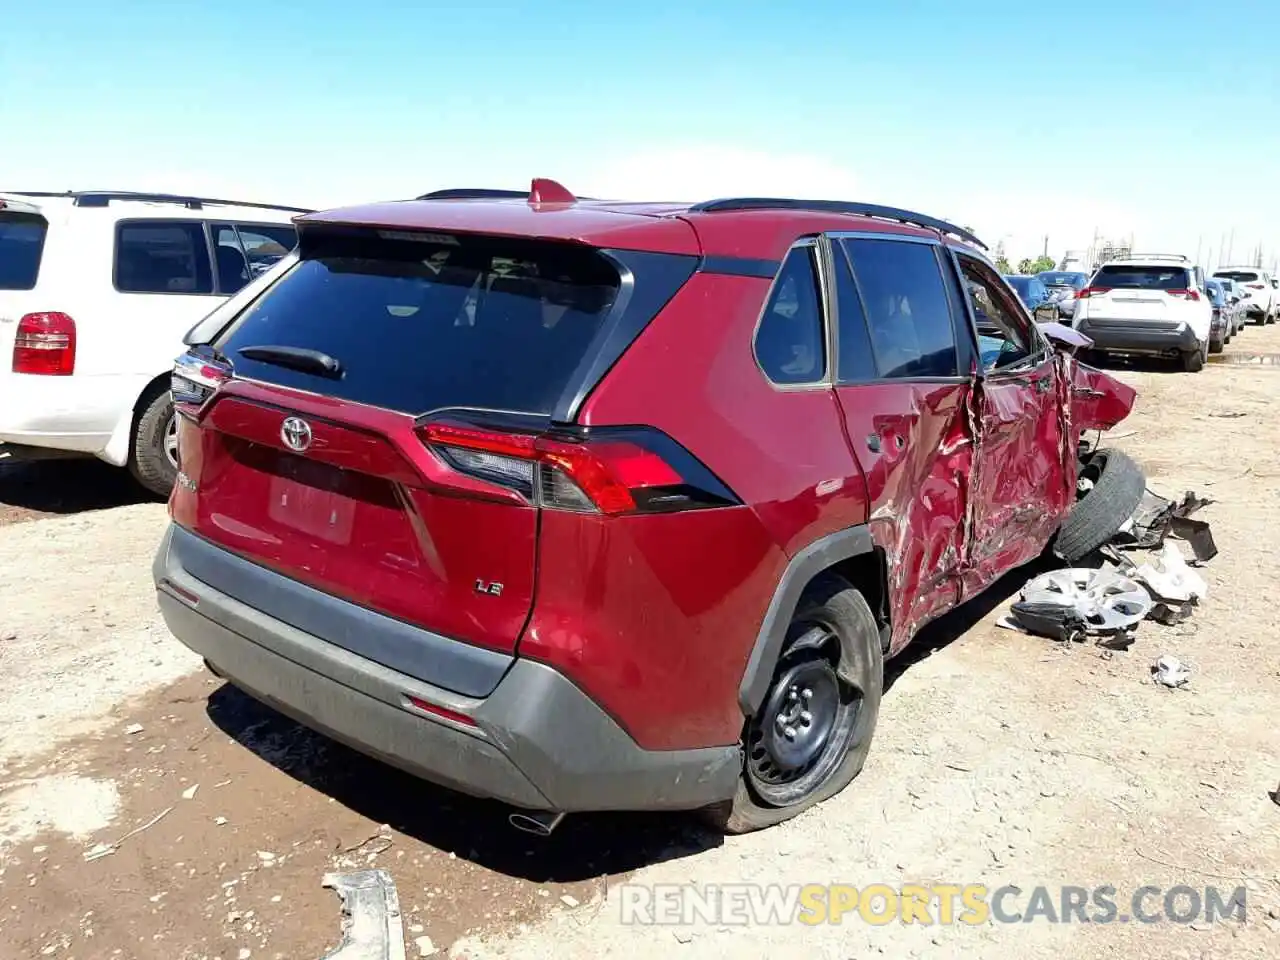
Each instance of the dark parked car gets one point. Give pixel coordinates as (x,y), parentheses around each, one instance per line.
(1223,323)
(1035,296)
(1063,285)
(598,506)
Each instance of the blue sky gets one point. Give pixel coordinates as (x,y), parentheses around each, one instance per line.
(1160,119)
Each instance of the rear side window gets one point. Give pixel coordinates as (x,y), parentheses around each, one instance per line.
(908,315)
(244,251)
(1117,277)
(162,256)
(789,342)
(21,244)
(418,326)
(855,361)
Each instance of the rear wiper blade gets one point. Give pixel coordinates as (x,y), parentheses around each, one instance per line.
(295,358)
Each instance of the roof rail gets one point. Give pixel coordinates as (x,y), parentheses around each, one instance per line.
(541,190)
(839,206)
(101,198)
(1152,256)
(474,193)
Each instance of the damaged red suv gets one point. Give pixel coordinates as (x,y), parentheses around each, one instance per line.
(593,505)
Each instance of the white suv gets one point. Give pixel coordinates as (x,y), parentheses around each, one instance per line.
(1261,297)
(1152,304)
(97,290)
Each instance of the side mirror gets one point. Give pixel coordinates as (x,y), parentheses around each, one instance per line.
(1064,339)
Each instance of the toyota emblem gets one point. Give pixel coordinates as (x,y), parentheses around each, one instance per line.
(296,433)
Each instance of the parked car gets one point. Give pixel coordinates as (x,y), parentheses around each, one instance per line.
(1034,296)
(1223,322)
(1063,285)
(567,503)
(96,292)
(1261,299)
(1152,304)
(1235,301)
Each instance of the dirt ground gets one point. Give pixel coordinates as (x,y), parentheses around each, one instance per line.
(999,758)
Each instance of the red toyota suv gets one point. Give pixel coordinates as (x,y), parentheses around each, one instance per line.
(594,505)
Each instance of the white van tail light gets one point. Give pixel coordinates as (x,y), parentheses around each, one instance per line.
(45,345)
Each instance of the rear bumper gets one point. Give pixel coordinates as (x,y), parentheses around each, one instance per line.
(536,741)
(1126,336)
(1255,310)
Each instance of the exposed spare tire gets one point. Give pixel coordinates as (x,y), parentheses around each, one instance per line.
(1112,486)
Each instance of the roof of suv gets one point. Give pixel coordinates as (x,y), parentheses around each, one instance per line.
(749,227)
(126,203)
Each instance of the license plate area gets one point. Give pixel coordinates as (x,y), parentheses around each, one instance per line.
(312,498)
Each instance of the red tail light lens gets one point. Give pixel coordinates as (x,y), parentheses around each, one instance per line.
(632,470)
(1184,294)
(45,344)
(1088,292)
(1257,286)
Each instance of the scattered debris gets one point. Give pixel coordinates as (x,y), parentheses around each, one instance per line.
(190,792)
(266,857)
(1171,672)
(569,901)
(220,821)
(106,849)
(1170,579)
(133,728)
(1157,518)
(425,947)
(371,924)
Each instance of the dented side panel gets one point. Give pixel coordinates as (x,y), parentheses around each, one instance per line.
(914,442)
(1021,490)
(1098,400)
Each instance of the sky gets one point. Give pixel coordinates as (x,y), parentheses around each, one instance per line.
(1159,120)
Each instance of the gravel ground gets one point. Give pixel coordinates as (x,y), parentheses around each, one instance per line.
(999,758)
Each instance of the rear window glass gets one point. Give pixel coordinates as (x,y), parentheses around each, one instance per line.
(1021,285)
(1142,278)
(21,242)
(1244,276)
(1215,292)
(418,326)
(1076,280)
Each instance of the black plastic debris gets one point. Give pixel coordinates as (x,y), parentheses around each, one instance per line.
(1056,621)
(1157,518)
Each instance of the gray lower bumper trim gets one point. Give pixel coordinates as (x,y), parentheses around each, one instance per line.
(1136,338)
(427,656)
(539,742)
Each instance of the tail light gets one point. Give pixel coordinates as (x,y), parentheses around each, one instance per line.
(45,344)
(1256,286)
(1088,292)
(608,470)
(1184,294)
(195,376)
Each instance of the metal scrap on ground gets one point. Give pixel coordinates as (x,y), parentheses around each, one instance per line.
(371,925)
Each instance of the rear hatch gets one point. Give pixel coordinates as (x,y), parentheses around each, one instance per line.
(1143,294)
(23,230)
(1250,283)
(353,449)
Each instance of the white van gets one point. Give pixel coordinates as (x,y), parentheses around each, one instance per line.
(97,290)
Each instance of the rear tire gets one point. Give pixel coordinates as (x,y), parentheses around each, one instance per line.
(153,457)
(1115,488)
(784,774)
(1193,360)
(1215,346)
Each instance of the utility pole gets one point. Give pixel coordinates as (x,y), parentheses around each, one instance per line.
(1046,245)
(1231,243)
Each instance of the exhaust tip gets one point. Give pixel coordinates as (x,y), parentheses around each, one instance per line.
(540,823)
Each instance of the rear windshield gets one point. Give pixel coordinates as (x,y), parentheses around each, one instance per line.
(1215,290)
(1244,276)
(421,325)
(21,243)
(1075,280)
(1117,277)
(1020,284)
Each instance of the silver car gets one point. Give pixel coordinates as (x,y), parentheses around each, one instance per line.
(1063,285)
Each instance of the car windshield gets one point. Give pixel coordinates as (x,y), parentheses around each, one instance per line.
(418,325)
(1244,276)
(1132,277)
(1021,284)
(1054,278)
